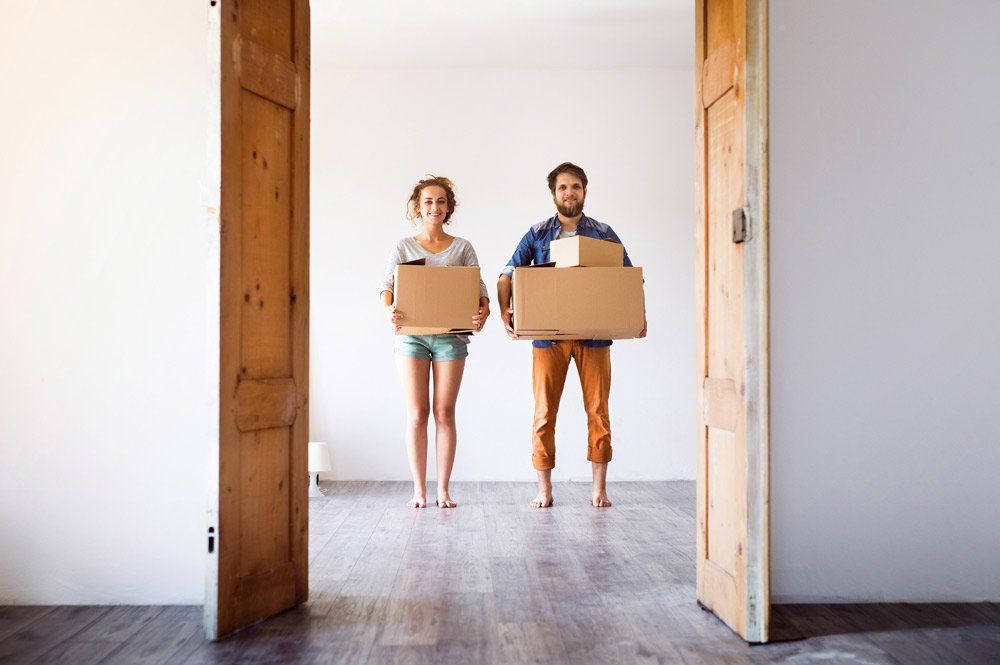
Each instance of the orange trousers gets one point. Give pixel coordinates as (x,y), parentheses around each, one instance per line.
(548,376)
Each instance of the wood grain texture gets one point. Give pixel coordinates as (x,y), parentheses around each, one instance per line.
(266,403)
(30,639)
(570,584)
(756,327)
(722,404)
(721,571)
(15,617)
(266,73)
(260,565)
(719,72)
(731,297)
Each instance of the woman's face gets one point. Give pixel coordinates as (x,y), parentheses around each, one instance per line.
(433,204)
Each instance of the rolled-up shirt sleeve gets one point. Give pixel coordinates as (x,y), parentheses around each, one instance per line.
(522,255)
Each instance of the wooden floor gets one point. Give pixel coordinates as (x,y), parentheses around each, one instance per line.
(495,581)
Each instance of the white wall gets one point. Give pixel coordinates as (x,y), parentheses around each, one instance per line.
(104,421)
(497,133)
(885,139)
(106,414)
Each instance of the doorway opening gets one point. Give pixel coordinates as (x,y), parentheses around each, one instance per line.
(454,107)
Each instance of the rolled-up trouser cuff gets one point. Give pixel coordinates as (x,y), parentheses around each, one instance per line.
(543,463)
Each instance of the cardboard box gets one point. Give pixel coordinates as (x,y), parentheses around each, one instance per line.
(584,251)
(436,299)
(578,303)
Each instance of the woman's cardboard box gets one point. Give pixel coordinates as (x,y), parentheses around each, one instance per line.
(436,299)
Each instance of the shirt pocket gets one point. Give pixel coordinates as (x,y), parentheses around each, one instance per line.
(542,251)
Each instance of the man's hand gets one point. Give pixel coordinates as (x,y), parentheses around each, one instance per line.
(507,315)
(479,320)
(395,318)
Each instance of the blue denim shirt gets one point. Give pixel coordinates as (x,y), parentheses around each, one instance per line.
(534,248)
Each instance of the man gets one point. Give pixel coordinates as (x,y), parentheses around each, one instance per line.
(550,359)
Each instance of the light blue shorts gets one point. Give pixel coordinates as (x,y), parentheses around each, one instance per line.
(436,348)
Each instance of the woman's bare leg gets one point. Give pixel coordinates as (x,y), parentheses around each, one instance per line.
(415,376)
(447,380)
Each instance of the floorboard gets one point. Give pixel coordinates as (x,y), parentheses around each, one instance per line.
(496,581)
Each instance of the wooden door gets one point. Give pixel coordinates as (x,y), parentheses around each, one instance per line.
(258,550)
(732,359)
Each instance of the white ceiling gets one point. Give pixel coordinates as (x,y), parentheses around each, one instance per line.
(515,33)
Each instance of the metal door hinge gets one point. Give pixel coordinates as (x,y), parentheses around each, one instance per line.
(741,225)
(211,539)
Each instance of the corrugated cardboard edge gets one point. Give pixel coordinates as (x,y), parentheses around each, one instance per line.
(415,330)
(628,333)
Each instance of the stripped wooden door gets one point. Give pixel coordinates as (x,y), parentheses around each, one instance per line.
(258,550)
(732,503)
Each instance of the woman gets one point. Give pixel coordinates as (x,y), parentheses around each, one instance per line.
(431,204)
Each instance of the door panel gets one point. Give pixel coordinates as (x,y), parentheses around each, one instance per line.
(723,520)
(732,538)
(259,517)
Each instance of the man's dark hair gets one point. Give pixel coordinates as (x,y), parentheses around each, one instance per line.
(566,167)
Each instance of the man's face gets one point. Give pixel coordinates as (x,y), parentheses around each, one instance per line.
(569,195)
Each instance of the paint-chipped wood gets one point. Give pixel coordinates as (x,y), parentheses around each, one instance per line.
(731,299)
(756,331)
(213,234)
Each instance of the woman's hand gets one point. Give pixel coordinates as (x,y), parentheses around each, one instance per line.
(479,320)
(395,318)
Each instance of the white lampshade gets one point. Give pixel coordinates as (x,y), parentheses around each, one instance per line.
(319,457)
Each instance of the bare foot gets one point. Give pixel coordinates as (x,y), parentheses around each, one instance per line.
(417,501)
(444,500)
(600,499)
(543,500)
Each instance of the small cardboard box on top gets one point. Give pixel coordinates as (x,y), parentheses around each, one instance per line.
(584,251)
(578,303)
(436,299)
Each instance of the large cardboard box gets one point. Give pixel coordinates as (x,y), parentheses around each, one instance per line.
(584,251)
(436,299)
(578,303)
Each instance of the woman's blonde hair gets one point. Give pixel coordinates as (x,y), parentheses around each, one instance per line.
(413,205)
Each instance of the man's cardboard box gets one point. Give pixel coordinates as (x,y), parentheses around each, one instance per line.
(436,299)
(578,303)
(584,251)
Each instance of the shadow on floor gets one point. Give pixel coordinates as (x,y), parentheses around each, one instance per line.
(802,621)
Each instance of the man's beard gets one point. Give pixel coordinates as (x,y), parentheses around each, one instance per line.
(567,211)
